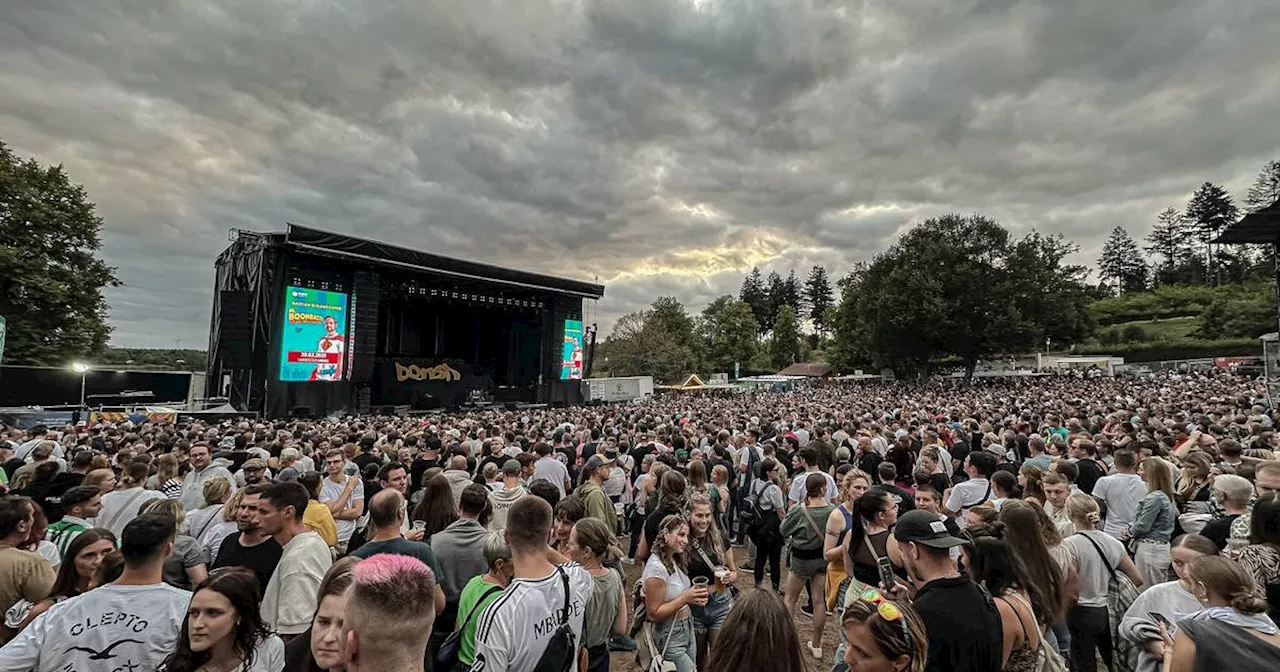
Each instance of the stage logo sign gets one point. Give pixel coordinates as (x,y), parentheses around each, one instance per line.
(314,341)
(571,355)
(441,372)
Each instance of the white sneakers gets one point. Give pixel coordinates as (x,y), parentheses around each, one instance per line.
(815,650)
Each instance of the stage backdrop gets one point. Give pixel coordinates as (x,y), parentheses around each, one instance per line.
(424,382)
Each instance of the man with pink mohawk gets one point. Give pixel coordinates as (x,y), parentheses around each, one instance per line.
(390,608)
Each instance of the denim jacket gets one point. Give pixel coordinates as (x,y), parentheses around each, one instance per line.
(1153,519)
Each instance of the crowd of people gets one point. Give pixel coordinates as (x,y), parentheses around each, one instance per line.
(1027,524)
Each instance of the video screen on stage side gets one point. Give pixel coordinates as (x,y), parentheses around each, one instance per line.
(314,344)
(571,356)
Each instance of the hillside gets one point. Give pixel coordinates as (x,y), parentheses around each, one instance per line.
(1179,322)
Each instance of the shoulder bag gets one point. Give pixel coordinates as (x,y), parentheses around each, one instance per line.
(452,646)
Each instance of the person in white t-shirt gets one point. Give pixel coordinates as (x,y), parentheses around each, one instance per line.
(390,610)
(528,621)
(131,624)
(343,494)
(1121,491)
(289,598)
(549,469)
(119,507)
(976,490)
(809,457)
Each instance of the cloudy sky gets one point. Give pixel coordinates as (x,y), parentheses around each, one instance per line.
(663,146)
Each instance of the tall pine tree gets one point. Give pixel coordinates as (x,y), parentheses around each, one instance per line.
(784,349)
(793,293)
(1210,211)
(1170,244)
(756,295)
(776,290)
(1121,266)
(1265,189)
(819,295)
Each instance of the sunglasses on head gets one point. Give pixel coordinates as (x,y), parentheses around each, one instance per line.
(887,610)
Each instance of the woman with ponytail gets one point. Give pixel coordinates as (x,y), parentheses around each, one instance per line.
(1231,632)
(592,545)
(867,540)
(1096,555)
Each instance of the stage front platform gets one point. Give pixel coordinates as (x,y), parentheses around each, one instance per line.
(307,322)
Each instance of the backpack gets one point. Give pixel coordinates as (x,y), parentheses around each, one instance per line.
(752,510)
(561,654)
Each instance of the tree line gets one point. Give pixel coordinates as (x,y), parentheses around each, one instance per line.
(1181,242)
(957,289)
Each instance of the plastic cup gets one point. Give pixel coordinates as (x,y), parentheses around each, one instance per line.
(420,525)
(700,581)
(721,573)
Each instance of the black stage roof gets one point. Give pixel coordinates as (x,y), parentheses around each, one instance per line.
(1262,226)
(323,242)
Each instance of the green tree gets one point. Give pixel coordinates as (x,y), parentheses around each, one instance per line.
(793,294)
(1172,243)
(1121,265)
(659,342)
(755,295)
(784,348)
(818,294)
(727,329)
(1209,212)
(776,290)
(1265,190)
(51,279)
(958,286)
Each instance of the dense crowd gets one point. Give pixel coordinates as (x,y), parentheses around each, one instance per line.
(1028,524)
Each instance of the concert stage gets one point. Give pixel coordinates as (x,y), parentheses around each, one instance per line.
(307,322)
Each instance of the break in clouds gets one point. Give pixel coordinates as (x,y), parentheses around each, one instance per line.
(661,146)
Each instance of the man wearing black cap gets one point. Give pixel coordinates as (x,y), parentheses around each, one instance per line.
(962,621)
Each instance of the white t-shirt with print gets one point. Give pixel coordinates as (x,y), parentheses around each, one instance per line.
(514,629)
(108,628)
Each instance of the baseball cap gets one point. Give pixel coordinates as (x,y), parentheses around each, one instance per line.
(926,528)
(598,461)
(511,467)
(254,463)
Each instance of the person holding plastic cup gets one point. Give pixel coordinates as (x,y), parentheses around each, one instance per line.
(669,593)
(709,559)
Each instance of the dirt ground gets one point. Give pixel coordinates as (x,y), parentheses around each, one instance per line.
(625,662)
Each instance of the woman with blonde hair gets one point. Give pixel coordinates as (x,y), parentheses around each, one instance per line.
(185,567)
(226,522)
(1097,556)
(883,635)
(215,493)
(1153,520)
(104,479)
(1029,478)
(167,479)
(1231,631)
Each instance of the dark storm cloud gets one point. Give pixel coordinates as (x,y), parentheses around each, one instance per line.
(663,146)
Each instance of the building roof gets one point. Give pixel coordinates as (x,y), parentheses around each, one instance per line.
(810,370)
(1262,226)
(315,240)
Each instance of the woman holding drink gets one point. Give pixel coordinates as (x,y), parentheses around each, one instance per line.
(709,559)
(669,593)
